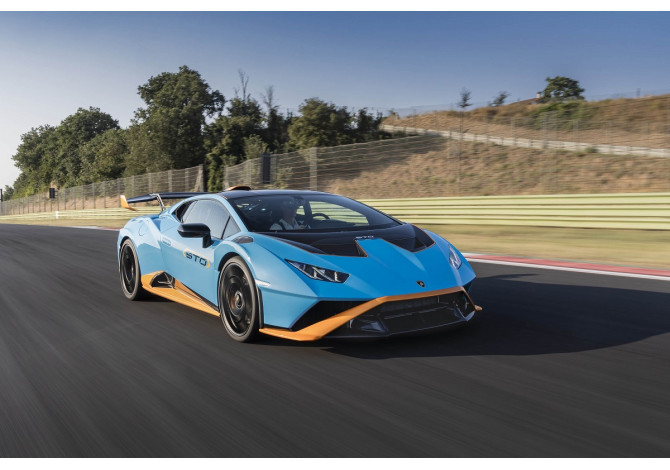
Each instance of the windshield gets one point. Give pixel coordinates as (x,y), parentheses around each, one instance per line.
(312,212)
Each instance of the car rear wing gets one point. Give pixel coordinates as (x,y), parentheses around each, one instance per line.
(160,197)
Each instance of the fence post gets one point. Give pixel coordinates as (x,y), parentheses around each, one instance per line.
(170,180)
(150,182)
(118,191)
(609,134)
(104,194)
(313,181)
(93,191)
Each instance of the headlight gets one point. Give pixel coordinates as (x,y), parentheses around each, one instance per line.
(454,259)
(320,274)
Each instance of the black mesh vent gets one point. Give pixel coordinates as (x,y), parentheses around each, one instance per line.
(322,310)
(405,316)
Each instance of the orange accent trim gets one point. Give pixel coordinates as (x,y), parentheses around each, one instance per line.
(240,187)
(180,294)
(320,329)
(124,203)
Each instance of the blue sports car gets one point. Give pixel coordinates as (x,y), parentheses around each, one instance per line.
(301,265)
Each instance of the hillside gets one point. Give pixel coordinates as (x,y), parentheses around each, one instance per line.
(487,169)
(638,122)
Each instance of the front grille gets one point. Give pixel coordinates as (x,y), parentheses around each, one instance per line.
(404,316)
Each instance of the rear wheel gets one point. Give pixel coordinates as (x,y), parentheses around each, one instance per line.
(129,272)
(238,302)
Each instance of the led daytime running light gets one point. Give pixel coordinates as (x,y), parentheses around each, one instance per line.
(319,274)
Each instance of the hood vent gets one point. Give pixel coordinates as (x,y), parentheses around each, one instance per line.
(406,236)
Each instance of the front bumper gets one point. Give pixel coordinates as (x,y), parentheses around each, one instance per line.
(390,316)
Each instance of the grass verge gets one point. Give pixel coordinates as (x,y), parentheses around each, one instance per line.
(641,248)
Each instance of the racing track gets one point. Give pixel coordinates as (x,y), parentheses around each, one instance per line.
(561,364)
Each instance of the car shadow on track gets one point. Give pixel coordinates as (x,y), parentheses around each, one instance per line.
(528,318)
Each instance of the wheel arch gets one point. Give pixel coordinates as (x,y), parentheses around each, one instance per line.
(118,252)
(226,257)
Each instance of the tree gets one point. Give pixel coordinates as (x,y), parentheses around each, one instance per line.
(73,133)
(254,147)
(561,89)
(169,132)
(320,124)
(500,99)
(244,84)
(465,99)
(34,158)
(225,137)
(464,103)
(53,155)
(104,156)
(367,126)
(8,193)
(276,126)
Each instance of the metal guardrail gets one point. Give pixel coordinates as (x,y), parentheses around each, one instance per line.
(535,143)
(650,211)
(105,194)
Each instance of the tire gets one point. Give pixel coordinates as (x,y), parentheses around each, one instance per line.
(238,301)
(129,272)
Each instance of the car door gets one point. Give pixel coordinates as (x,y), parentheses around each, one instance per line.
(186,259)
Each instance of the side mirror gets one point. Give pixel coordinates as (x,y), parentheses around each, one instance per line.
(196,231)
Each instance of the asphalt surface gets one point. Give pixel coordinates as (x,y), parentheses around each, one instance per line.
(560,364)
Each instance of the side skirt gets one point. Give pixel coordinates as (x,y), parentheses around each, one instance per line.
(164,285)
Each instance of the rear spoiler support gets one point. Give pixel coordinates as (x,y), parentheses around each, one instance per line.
(160,197)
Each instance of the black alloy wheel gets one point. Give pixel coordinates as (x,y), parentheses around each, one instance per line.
(238,302)
(129,272)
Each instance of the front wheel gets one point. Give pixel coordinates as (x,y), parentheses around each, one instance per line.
(129,272)
(238,302)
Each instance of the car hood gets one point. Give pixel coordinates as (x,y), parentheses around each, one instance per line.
(384,262)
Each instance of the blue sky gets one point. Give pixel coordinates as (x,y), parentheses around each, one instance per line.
(53,63)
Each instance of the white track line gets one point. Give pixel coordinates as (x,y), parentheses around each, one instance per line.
(91,227)
(562,268)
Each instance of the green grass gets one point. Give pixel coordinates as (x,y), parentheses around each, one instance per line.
(643,248)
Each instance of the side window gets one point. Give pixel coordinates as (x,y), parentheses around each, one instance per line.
(231,228)
(210,213)
(181,211)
